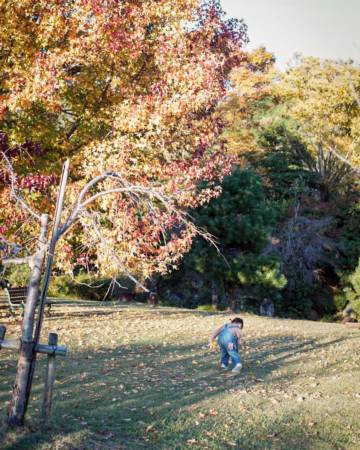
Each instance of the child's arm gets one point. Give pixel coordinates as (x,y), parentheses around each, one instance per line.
(216,333)
(239,333)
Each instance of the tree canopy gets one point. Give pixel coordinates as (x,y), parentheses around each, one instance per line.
(322,98)
(129,87)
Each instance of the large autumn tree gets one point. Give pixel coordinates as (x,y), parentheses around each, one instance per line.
(128,87)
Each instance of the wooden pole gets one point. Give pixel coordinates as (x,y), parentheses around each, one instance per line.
(49,379)
(18,402)
(50,259)
(53,241)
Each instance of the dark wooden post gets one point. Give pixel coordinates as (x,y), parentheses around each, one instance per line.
(49,379)
(18,403)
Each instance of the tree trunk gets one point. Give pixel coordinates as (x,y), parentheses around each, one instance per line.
(232,299)
(21,389)
(214,295)
(324,191)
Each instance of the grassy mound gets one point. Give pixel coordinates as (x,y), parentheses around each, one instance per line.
(139,377)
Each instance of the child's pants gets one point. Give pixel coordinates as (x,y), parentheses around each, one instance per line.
(229,348)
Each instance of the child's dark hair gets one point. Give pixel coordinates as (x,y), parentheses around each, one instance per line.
(238,320)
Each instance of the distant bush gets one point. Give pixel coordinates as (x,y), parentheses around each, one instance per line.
(208,308)
(18,275)
(298,301)
(328,318)
(352,292)
(340,301)
(82,287)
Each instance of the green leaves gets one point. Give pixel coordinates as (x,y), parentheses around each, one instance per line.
(240,219)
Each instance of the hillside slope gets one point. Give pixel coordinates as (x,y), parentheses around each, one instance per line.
(137,377)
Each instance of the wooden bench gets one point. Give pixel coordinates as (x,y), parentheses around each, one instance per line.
(15,299)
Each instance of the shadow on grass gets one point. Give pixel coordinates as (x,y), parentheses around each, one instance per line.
(76,314)
(112,397)
(57,310)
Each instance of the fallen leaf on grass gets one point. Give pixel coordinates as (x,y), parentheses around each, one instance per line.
(316,395)
(208,433)
(106,434)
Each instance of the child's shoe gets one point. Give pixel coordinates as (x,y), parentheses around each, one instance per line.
(237,368)
(224,367)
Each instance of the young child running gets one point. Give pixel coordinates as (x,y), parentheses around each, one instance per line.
(228,340)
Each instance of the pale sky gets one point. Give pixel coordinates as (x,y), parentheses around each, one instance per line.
(323,28)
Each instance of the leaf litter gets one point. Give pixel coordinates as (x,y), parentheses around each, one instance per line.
(146,373)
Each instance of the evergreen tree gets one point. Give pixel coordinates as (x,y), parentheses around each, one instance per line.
(240,219)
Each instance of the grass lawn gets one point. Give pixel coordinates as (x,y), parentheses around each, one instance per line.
(138,377)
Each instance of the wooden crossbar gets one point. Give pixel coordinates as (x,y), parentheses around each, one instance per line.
(14,344)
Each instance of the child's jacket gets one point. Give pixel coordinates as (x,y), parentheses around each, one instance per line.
(231,327)
(229,334)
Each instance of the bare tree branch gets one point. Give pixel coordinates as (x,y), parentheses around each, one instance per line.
(345,161)
(14,192)
(142,196)
(124,189)
(113,254)
(17,261)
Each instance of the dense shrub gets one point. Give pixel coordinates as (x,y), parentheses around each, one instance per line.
(352,292)
(82,287)
(18,275)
